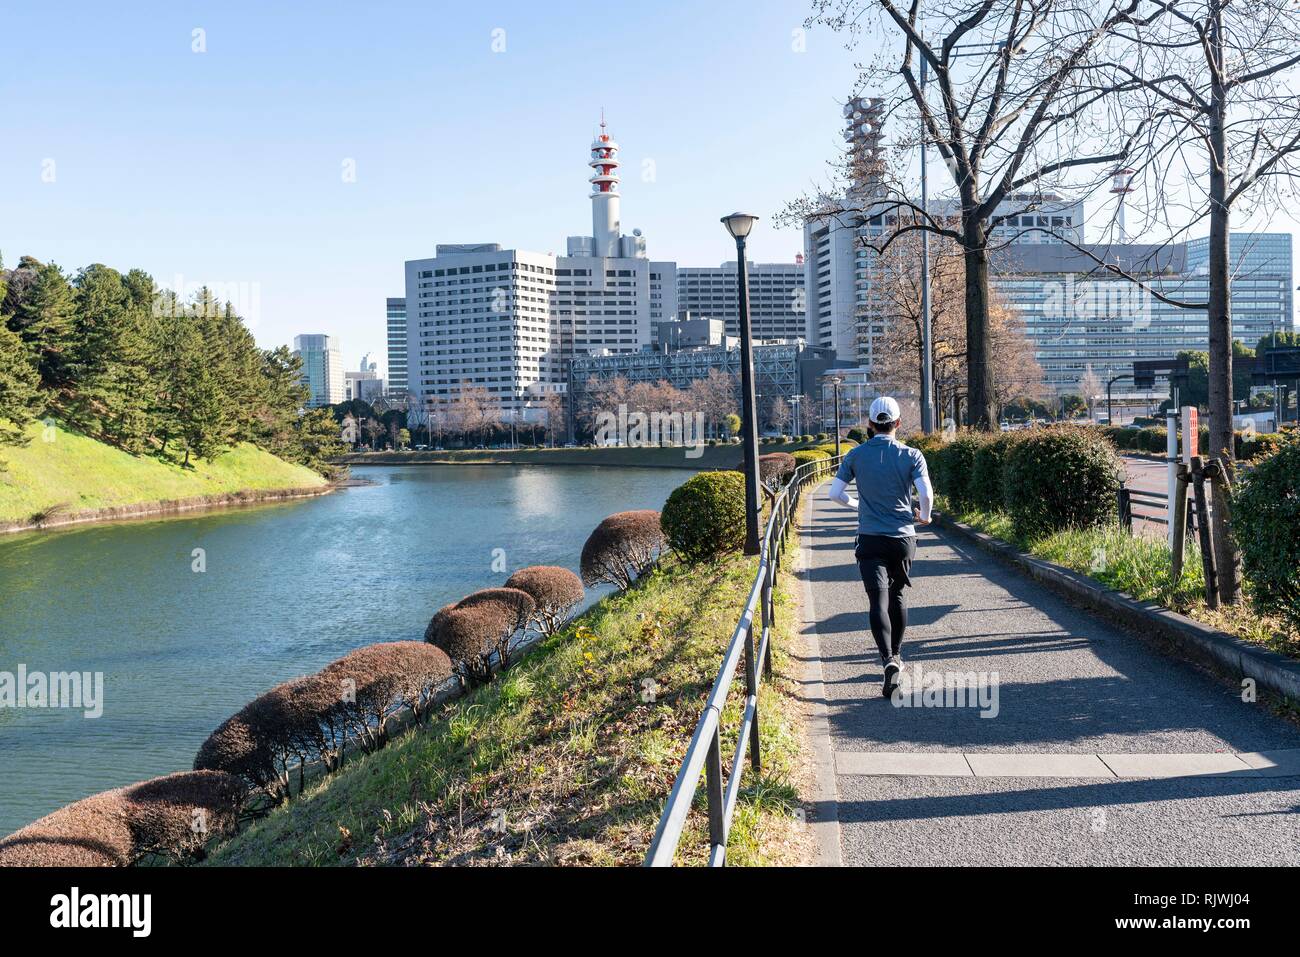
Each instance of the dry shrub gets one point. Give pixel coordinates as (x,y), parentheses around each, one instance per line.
(516,608)
(369,685)
(176,815)
(556,591)
(470,635)
(282,727)
(622,548)
(239,747)
(424,669)
(92,832)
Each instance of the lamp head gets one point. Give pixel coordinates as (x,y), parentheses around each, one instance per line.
(739,224)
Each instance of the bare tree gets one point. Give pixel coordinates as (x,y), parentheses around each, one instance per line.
(1015,101)
(898,350)
(1216,78)
(779,414)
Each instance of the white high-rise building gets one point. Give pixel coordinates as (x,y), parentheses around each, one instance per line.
(508,321)
(322,368)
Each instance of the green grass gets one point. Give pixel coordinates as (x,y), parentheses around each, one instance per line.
(1140,566)
(560,760)
(61,471)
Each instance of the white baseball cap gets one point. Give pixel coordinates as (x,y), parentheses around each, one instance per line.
(885,409)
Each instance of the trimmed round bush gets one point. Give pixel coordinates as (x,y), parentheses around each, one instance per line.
(622,548)
(92,832)
(1061,477)
(805,437)
(986,488)
(705,516)
(1266,516)
(858,435)
(516,607)
(823,436)
(555,592)
(244,745)
(804,456)
(178,814)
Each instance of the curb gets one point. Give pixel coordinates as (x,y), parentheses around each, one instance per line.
(826,820)
(1174,633)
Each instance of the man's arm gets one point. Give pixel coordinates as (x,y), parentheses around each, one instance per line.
(839,493)
(921,479)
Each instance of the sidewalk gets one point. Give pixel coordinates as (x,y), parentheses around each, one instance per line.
(1102,751)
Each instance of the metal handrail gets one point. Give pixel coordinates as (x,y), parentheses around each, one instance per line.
(704,754)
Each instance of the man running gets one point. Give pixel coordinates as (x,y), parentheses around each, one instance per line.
(884,471)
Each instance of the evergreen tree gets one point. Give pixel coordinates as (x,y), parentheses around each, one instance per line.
(108,368)
(20,397)
(41,310)
(318,440)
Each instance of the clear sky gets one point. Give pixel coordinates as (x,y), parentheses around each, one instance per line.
(310,149)
(227,166)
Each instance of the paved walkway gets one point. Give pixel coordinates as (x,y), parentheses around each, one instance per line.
(1097,749)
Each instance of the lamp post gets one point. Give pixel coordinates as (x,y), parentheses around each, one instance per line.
(927,346)
(835,381)
(739,225)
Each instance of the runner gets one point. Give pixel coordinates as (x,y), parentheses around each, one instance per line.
(884,471)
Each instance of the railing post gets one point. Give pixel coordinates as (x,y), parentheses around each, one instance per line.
(1126,509)
(751,691)
(768,617)
(713,775)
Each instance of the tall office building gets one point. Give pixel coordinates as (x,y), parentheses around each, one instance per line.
(778,303)
(1079,320)
(322,369)
(510,321)
(396,346)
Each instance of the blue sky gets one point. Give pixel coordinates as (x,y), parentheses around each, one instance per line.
(122,145)
(227,166)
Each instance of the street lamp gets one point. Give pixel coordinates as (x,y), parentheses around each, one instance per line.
(739,225)
(835,381)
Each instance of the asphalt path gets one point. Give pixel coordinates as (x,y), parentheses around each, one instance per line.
(1096,749)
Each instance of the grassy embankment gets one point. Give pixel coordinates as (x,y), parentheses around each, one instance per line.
(560,760)
(1139,566)
(711,457)
(60,473)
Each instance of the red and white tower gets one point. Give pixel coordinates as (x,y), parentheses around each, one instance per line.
(605,225)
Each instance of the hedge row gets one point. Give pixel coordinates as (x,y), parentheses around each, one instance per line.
(1046,479)
(1266,519)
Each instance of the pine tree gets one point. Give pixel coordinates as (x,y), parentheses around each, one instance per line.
(42,312)
(20,397)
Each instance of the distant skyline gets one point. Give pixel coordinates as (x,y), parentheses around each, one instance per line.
(299,158)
